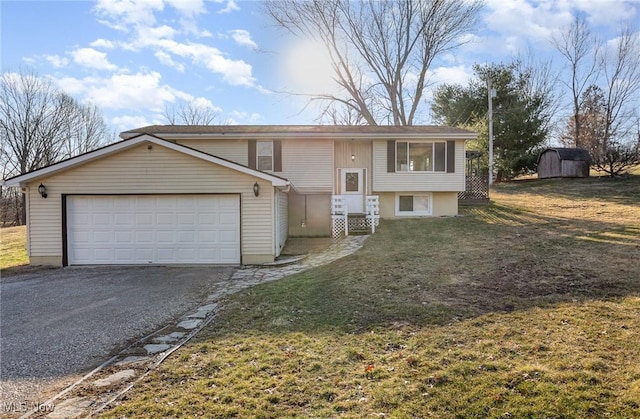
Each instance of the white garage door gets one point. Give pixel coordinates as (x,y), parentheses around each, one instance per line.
(148,229)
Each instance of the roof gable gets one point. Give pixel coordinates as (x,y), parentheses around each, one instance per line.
(132,142)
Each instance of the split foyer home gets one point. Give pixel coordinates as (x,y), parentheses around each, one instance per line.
(169,194)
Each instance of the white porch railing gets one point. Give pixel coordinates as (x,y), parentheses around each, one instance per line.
(339,216)
(340,221)
(373,212)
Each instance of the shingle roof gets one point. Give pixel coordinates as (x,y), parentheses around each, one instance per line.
(576,154)
(320,130)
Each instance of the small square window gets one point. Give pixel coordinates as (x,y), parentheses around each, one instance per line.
(421,203)
(405,203)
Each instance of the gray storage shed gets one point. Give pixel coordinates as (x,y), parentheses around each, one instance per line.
(563,162)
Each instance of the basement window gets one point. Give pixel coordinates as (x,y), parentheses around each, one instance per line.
(413,204)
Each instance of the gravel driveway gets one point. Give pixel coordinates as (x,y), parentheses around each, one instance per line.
(56,324)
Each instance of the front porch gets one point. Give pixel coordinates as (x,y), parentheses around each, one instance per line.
(344,223)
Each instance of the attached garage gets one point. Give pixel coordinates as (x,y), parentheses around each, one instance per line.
(147,229)
(146,201)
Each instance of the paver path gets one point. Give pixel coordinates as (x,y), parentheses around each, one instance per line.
(135,362)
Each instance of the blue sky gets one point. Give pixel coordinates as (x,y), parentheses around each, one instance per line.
(133,58)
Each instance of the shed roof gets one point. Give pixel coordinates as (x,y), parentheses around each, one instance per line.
(567,153)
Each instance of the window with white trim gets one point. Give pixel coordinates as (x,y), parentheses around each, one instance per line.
(421,156)
(408,204)
(264,150)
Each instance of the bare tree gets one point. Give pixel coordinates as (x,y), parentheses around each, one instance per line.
(579,47)
(85,130)
(40,124)
(380,51)
(621,73)
(190,113)
(617,158)
(33,114)
(340,115)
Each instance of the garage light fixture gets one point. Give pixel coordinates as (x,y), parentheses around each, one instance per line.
(353,157)
(43,190)
(256,189)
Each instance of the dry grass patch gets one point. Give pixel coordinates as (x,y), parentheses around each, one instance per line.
(13,247)
(528,307)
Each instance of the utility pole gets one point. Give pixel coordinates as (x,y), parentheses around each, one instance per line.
(491,94)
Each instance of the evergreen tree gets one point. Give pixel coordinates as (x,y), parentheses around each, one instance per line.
(521,114)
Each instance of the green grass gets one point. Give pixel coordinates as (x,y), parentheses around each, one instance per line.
(13,247)
(528,307)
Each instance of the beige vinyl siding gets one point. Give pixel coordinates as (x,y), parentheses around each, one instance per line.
(407,182)
(282,220)
(363,153)
(234,150)
(443,204)
(158,170)
(308,164)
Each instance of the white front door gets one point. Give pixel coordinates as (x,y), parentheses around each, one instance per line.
(352,189)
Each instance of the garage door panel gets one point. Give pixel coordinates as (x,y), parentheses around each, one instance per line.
(227,255)
(144,237)
(166,237)
(144,218)
(123,219)
(123,238)
(165,219)
(153,229)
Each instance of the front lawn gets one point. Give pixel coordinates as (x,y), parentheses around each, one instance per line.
(528,307)
(13,247)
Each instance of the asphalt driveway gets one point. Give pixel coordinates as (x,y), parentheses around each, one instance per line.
(58,323)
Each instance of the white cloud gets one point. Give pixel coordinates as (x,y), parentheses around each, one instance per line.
(246,117)
(607,13)
(231,6)
(56,61)
(140,91)
(189,8)
(451,75)
(234,72)
(166,59)
(243,38)
(150,36)
(515,26)
(204,103)
(102,43)
(91,58)
(523,19)
(121,14)
(127,122)
(139,18)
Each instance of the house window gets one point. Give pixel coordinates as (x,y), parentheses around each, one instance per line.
(413,204)
(421,156)
(265,155)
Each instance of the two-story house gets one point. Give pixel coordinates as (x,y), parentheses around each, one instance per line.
(232,194)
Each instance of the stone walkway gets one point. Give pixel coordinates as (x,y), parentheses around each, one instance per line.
(254,275)
(109,382)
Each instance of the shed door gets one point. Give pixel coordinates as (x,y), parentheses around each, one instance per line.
(148,229)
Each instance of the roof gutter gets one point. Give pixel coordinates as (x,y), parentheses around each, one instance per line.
(307,135)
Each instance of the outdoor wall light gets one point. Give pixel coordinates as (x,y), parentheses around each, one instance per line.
(43,190)
(353,157)
(256,189)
